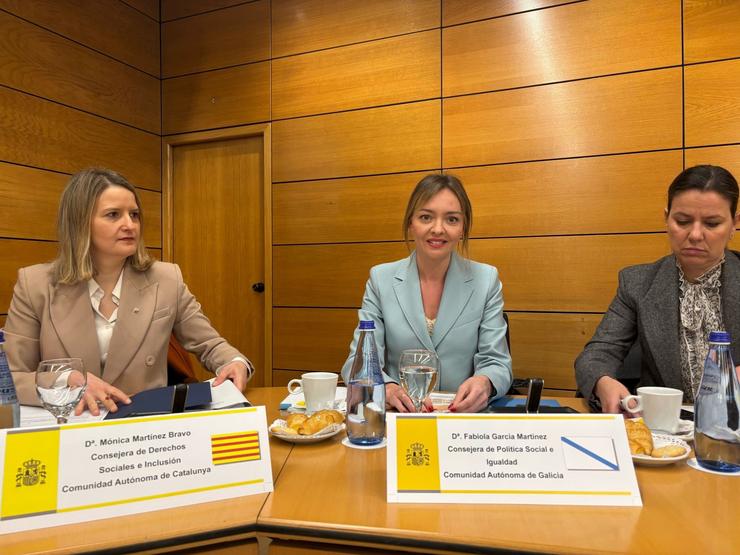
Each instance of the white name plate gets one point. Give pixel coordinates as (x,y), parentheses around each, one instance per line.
(80,472)
(563,459)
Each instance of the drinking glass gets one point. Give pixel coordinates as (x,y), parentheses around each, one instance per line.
(60,384)
(418,370)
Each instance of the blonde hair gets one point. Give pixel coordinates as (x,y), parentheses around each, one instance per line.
(74,261)
(429,186)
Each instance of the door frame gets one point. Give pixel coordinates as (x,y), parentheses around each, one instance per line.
(168,144)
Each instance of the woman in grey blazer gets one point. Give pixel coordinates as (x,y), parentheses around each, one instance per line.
(104,300)
(439,301)
(670,306)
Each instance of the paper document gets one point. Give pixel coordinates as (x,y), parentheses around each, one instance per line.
(226,395)
(34,417)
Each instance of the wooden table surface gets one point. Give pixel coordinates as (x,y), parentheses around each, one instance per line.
(326,494)
(192,525)
(330,492)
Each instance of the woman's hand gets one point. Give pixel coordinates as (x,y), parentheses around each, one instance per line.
(396,398)
(100,393)
(235,371)
(610,392)
(472,395)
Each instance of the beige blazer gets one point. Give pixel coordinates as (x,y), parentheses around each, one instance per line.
(47,321)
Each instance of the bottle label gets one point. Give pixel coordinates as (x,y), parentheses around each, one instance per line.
(374,366)
(710,379)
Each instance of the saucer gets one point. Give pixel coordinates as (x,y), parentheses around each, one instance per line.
(685,430)
(300,406)
(326,433)
(661,440)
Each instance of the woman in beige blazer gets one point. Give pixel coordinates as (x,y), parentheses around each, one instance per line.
(104,300)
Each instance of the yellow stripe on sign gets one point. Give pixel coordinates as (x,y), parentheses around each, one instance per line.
(30,473)
(161,495)
(535,492)
(525,417)
(417,454)
(229,460)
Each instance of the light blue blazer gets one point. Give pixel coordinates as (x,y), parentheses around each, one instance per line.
(470,332)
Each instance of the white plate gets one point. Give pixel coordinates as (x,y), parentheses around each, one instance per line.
(661,440)
(300,406)
(326,433)
(685,430)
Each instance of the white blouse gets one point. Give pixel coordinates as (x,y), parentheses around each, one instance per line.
(104,326)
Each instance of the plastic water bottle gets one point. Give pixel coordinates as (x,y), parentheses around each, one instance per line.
(10,410)
(717,408)
(366,391)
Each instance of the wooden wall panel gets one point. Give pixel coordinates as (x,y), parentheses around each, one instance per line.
(218,98)
(29,199)
(46,135)
(2,319)
(462,11)
(327,275)
(228,37)
(174,9)
(342,210)
(378,140)
(568,42)
(282,377)
(726,156)
(43,63)
(713,103)
(605,194)
(561,274)
(543,345)
(565,274)
(148,7)
(133,38)
(152,207)
(312,339)
(711,29)
(307,25)
(380,72)
(546,345)
(625,113)
(16,255)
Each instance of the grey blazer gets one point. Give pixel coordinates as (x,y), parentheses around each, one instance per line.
(646,309)
(470,333)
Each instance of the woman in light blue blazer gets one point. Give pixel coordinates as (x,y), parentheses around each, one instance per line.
(437,300)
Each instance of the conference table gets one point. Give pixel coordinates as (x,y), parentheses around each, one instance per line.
(331,499)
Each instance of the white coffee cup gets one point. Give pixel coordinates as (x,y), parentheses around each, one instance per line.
(319,389)
(660,407)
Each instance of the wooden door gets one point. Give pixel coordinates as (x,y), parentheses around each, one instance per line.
(218,237)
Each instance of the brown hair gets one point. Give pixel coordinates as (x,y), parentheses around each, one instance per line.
(74,262)
(426,189)
(706,178)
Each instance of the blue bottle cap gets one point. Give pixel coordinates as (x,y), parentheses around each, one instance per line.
(367,325)
(719,337)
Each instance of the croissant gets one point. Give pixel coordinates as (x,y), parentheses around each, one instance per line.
(284,430)
(335,415)
(639,437)
(296,420)
(315,424)
(668,451)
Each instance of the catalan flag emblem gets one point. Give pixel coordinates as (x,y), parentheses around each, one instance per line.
(235,447)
